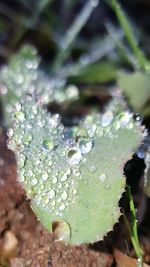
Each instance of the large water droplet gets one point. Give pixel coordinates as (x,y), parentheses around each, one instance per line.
(48,144)
(106,118)
(85,145)
(61,231)
(74,156)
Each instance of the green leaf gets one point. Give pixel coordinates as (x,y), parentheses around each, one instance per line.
(74,183)
(104,71)
(136,88)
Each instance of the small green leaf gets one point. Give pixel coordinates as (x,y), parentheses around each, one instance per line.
(136,88)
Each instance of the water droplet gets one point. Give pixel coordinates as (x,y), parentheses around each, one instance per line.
(72,92)
(75,192)
(19,115)
(88,120)
(62,206)
(102,177)
(21,161)
(85,145)
(92,168)
(117,125)
(59,200)
(18,106)
(92,129)
(106,118)
(34,181)
(66,185)
(125,118)
(27,139)
(54,180)
(141,153)
(48,144)
(50,194)
(74,156)
(59,185)
(64,196)
(44,176)
(53,203)
(61,230)
(10,132)
(76,172)
(46,200)
(30,173)
(34,110)
(64,177)
(68,171)
(82,133)
(99,131)
(21,177)
(37,162)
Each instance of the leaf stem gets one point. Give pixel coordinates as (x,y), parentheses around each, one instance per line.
(133,228)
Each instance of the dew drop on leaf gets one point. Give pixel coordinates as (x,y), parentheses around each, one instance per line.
(74,156)
(85,145)
(106,118)
(102,177)
(19,115)
(48,144)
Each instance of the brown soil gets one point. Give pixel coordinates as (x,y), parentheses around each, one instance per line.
(24,242)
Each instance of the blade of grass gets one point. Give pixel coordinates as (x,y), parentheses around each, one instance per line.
(72,33)
(132,228)
(127,28)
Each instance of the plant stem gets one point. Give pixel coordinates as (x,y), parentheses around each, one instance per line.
(72,33)
(126,26)
(133,228)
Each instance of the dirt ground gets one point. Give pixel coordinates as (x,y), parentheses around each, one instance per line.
(24,242)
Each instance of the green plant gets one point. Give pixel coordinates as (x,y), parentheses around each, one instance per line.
(67,178)
(23,76)
(73,176)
